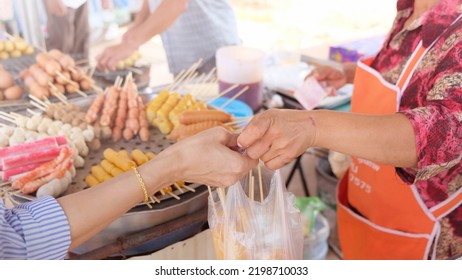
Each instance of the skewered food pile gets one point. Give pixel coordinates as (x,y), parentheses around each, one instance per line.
(181,117)
(55,74)
(8,89)
(50,178)
(14,47)
(121,111)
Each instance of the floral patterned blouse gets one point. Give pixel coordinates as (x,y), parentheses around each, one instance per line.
(433,104)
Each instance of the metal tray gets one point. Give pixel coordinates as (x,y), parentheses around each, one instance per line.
(139,217)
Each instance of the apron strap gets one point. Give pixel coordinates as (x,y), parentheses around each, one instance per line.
(442,209)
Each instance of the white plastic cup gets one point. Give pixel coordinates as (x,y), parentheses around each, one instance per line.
(243,66)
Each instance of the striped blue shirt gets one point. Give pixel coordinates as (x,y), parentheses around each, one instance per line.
(34,230)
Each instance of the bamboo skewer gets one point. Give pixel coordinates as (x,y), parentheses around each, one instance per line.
(37,100)
(156,199)
(222,93)
(134,70)
(189,188)
(178,77)
(174,195)
(213,202)
(234,97)
(178,187)
(38,106)
(251,190)
(260,183)
(32,112)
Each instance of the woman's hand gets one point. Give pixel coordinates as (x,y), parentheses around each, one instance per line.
(333,77)
(209,158)
(278,136)
(111,55)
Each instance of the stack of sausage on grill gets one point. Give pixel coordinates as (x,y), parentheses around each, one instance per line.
(120,110)
(55,73)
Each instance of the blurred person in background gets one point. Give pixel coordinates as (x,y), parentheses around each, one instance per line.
(190,30)
(402,195)
(68,26)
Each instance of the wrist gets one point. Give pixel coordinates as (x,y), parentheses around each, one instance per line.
(130,40)
(310,119)
(157,173)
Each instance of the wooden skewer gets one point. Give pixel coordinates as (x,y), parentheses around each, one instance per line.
(190,72)
(251,190)
(36,99)
(81,93)
(222,93)
(134,70)
(57,93)
(5,184)
(178,77)
(32,112)
(72,69)
(38,106)
(178,187)
(174,195)
(186,81)
(260,183)
(241,121)
(66,79)
(152,200)
(148,204)
(189,188)
(3,125)
(213,202)
(81,61)
(234,97)
(222,196)
(7,118)
(156,199)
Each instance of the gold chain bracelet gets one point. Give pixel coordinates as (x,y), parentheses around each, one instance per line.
(143,186)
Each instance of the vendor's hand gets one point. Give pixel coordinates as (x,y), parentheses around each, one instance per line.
(209,158)
(333,77)
(111,55)
(56,7)
(278,136)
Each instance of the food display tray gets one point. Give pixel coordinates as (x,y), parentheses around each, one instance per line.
(141,216)
(16,65)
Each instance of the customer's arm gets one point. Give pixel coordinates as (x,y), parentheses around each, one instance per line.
(45,229)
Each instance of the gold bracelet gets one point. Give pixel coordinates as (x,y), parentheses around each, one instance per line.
(143,186)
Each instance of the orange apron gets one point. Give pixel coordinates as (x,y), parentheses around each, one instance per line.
(394,222)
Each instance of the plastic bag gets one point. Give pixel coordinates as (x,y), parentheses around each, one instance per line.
(265,227)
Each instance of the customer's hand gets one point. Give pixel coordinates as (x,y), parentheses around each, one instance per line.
(209,158)
(56,7)
(278,136)
(111,55)
(333,77)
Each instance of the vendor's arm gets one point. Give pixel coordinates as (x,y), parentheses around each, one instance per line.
(155,23)
(278,136)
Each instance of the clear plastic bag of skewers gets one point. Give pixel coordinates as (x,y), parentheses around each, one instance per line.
(255,219)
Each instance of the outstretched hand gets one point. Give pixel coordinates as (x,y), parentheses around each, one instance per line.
(278,136)
(111,55)
(210,158)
